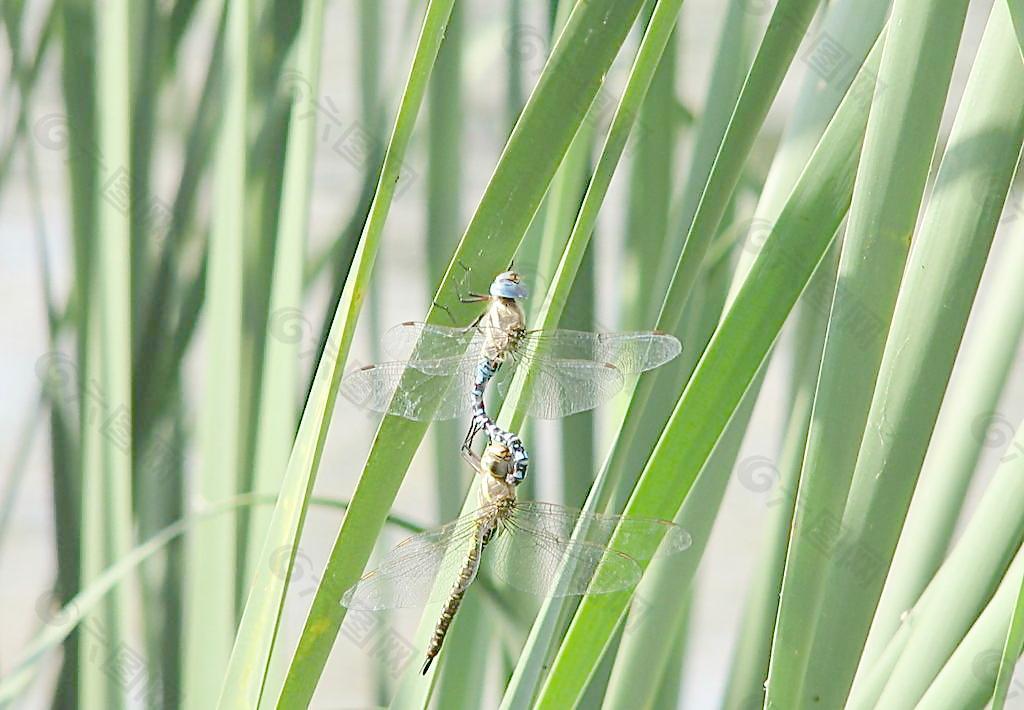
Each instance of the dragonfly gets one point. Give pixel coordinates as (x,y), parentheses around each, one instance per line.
(528,545)
(441,372)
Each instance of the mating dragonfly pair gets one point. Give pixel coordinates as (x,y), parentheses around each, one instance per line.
(540,548)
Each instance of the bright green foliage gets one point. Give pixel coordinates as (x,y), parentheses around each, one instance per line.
(638,184)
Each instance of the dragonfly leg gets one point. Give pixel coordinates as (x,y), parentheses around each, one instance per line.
(474,324)
(470,457)
(447,311)
(467,444)
(473,297)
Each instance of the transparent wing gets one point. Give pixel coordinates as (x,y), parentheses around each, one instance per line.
(422,342)
(640,538)
(403,390)
(563,387)
(629,352)
(539,563)
(416,570)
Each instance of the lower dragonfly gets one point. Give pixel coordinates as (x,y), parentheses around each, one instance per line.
(529,545)
(441,372)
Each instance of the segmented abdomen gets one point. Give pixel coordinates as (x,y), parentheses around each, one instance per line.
(466,574)
(485,371)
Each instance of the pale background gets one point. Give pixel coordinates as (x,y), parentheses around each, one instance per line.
(26,551)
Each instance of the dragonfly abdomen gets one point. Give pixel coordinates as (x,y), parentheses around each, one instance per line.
(466,575)
(485,371)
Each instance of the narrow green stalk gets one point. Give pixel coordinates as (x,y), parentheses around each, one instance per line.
(561,208)
(732,62)
(941,280)
(107,429)
(736,351)
(245,681)
(280,386)
(898,148)
(75,517)
(62,622)
(753,651)
(786,28)
(527,676)
(650,190)
(968,678)
(147,36)
(643,655)
(969,420)
(371,112)
(458,684)
(210,610)
(1011,650)
(510,201)
(578,431)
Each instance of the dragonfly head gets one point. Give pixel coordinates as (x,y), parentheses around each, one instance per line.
(508,284)
(497,460)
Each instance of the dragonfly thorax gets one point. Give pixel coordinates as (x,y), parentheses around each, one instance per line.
(493,490)
(495,468)
(503,326)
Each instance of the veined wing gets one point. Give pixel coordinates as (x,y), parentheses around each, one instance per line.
(640,538)
(562,387)
(630,352)
(539,563)
(417,570)
(400,389)
(425,342)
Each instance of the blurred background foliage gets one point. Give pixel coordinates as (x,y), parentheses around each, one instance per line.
(212,210)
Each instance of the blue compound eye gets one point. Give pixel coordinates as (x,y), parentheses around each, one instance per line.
(508,285)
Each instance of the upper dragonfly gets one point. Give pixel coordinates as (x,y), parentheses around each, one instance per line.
(537,548)
(437,367)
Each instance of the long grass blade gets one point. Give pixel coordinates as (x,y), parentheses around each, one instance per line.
(655,615)
(63,621)
(644,417)
(750,661)
(1011,652)
(941,280)
(968,678)
(732,62)
(526,677)
(279,389)
(1017,17)
(898,152)
(535,149)
(211,553)
(735,353)
(107,517)
(969,420)
(244,684)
